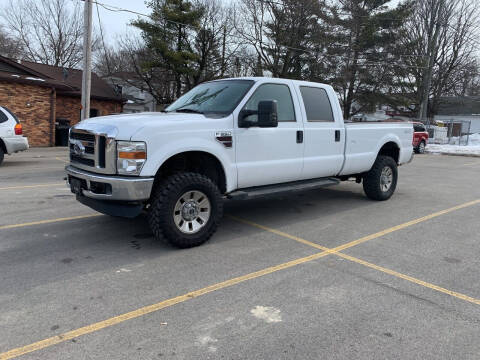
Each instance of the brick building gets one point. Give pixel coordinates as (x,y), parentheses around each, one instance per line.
(44,97)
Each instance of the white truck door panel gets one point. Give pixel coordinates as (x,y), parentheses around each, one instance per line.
(324,132)
(270,155)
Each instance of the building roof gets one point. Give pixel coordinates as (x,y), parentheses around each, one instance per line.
(73,78)
(66,81)
(459,105)
(12,71)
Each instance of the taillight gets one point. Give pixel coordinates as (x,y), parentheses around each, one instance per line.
(18,129)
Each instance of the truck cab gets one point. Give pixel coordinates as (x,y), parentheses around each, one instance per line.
(230,138)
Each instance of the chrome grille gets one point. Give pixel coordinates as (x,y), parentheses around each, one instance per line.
(87,150)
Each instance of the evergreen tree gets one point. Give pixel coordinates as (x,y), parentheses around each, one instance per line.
(167,37)
(364,51)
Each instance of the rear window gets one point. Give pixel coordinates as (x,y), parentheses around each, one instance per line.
(317,104)
(11,113)
(418,128)
(3,116)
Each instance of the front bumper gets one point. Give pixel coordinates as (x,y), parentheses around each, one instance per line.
(115,188)
(15,144)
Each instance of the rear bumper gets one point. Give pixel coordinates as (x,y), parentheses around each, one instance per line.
(111,188)
(15,144)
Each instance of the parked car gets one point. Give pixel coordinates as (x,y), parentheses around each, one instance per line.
(420,137)
(233,138)
(11,134)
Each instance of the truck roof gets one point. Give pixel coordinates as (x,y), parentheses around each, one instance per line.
(266,78)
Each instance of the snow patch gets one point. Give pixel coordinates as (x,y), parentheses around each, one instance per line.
(34,79)
(267,313)
(473,147)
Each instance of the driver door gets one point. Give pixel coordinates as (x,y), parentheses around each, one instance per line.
(271,155)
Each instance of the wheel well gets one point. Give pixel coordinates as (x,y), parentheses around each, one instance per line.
(390,149)
(2,146)
(195,161)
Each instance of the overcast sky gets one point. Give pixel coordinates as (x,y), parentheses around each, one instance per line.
(116,23)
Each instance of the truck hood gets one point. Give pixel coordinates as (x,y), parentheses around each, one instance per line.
(125,125)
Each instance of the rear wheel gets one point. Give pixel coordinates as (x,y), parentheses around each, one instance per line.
(421,147)
(380,182)
(185,209)
(2,155)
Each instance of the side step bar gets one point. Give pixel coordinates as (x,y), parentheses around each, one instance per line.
(259,191)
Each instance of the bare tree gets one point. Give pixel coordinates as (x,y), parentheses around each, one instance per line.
(50,31)
(9,46)
(442,36)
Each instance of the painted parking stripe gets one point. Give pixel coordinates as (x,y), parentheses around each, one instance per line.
(336,250)
(30,186)
(191,295)
(50,221)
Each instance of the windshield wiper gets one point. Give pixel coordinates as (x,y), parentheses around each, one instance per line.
(189,111)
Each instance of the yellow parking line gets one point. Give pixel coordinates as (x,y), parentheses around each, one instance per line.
(336,250)
(410,278)
(65,161)
(182,298)
(405,225)
(151,308)
(30,186)
(50,221)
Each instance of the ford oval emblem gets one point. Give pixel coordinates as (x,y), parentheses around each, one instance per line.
(79,149)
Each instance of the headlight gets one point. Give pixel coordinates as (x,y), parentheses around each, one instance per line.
(131,155)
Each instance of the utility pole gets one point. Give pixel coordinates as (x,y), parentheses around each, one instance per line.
(437,17)
(87,59)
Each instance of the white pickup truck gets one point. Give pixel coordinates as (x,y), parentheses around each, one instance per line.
(232,138)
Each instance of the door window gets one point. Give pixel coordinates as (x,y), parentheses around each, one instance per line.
(317,105)
(280,93)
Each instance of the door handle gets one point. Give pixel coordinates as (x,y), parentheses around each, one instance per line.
(299,136)
(337,135)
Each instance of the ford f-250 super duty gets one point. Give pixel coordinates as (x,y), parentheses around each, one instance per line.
(232,138)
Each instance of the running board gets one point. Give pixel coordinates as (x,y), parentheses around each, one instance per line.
(258,191)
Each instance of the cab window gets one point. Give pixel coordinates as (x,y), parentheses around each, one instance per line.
(279,92)
(317,105)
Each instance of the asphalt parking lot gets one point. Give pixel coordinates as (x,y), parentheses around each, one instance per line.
(325,274)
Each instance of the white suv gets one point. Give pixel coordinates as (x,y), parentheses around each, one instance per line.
(11,138)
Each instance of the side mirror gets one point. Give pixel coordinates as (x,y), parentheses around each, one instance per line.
(267,113)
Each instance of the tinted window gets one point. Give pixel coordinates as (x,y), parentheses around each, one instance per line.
(279,92)
(418,128)
(317,105)
(11,113)
(3,117)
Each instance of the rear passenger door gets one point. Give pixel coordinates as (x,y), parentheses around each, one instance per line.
(324,132)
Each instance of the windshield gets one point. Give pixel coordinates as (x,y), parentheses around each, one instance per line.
(218,97)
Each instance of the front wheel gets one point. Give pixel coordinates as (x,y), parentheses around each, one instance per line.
(185,209)
(380,182)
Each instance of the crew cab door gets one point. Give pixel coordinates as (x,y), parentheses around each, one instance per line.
(324,131)
(270,155)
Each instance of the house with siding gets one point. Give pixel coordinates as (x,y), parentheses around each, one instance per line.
(46,98)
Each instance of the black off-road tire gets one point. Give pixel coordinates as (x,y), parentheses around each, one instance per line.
(164,197)
(372,179)
(2,155)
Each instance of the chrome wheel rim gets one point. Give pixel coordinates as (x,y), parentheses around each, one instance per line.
(191,212)
(421,148)
(386,178)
